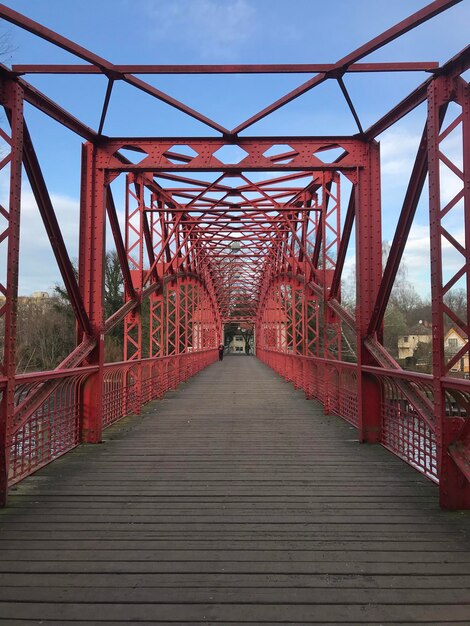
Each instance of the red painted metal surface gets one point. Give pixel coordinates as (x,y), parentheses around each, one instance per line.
(450,429)
(13,99)
(212,239)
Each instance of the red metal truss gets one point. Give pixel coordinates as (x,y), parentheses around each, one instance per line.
(451,430)
(259,239)
(10,234)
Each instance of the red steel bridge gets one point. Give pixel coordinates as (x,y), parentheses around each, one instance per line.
(262,240)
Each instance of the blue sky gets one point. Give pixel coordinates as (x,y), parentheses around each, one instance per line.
(225,31)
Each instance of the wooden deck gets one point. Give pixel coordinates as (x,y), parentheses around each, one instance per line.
(232,501)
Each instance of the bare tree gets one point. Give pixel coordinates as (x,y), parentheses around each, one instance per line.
(113,300)
(45,334)
(6,46)
(456,300)
(404,296)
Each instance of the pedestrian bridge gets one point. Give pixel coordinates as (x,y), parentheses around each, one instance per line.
(313,481)
(232,500)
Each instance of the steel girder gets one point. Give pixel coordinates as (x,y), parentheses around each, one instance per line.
(208,240)
(10,234)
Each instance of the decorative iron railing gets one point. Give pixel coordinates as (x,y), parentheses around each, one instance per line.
(404,430)
(54,427)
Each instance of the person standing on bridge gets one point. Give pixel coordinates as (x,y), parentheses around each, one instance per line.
(221,352)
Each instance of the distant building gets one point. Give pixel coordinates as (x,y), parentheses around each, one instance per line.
(237,345)
(454,341)
(40,295)
(407,344)
(40,300)
(36,295)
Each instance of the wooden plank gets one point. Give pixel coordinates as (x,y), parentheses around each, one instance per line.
(236,567)
(231,580)
(60,622)
(146,555)
(85,544)
(229,612)
(239,595)
(233,500)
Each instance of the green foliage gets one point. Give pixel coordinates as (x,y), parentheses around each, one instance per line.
(113,299)
(394,326)
(423,356)
(230,330)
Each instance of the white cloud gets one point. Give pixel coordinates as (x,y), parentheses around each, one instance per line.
(398,151)
(66,210)
(211,27)
(417,258)
(450,184)
(38,268)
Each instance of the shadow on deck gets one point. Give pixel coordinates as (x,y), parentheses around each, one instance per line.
(232,501)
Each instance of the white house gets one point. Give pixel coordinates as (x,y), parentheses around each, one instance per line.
(454,341)
(237,345)
(407,344)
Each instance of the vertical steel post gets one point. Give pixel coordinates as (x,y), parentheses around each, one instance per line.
(178,305)
(91,281)
(156,305)
(454,488)
(330,237)
(368,277)
(14,104)
(134,243)
(331,225)
(156,325)
(170,322)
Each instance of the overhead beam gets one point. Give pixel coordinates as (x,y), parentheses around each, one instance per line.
(455,66)
(414,20)
(105,66)
(40,101)
(280,68)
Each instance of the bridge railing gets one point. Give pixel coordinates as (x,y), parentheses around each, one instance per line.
(55,426)
(404,431)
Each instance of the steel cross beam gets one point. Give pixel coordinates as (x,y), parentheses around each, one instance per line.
(305,155)
(296,68)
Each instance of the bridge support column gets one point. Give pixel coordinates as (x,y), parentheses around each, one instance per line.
(451,430)
(368,277)
(91,279)
(11,232)
(134,244)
